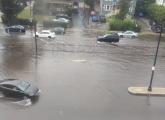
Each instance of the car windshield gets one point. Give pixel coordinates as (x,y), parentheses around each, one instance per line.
(23,85)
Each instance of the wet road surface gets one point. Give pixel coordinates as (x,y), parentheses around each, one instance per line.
(82,79)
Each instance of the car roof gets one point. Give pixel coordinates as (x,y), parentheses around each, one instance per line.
(45,31)
(129,31)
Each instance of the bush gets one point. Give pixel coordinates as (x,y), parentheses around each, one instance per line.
(49,24)
(123,25)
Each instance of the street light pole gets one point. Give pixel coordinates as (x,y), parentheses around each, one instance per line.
(156,55)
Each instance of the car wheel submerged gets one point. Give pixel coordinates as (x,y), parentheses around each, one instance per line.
(121,36)
(49,37)
(133,36)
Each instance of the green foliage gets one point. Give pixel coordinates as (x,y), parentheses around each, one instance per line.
(124,6)
(123,25)
(49,24)
(142,6)
(90,3)
(10,9)
(157,13)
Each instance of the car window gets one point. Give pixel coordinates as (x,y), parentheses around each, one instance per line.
(44,32)
(128,32)
(23,85)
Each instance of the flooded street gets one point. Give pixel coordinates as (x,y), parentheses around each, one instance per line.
(82,79)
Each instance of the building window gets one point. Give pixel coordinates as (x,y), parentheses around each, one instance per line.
(107,7)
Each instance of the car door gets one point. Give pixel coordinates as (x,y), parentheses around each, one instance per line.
(109,38)
(128,34)
(8,90)
(42,34)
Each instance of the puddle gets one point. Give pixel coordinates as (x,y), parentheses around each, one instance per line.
(15,101)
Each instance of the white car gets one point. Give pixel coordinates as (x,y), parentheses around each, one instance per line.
(64,20)
(46,34)
(130,34)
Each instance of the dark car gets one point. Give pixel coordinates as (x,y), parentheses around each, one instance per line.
(59,30)
(109,38)
(18,89)
(157,28)
(102,18)
(15,29)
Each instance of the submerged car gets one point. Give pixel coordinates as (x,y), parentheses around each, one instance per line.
(109,38)
(63,16)
(15,29)
(61,20)
(130,34)
(45,34)
(18,89)
(59,30)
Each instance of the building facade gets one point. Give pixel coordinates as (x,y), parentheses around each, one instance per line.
(109,7)
(132,7)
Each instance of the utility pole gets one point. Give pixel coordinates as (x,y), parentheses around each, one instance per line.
(156,54)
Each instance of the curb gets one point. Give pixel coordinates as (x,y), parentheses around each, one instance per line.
(143,91)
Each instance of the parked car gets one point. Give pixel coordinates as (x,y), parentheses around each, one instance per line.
(95,18)
(18,89)
(109,38)
(157,28)
(130,34)
(58,30)
(46,34)
(102,18)
(63,16)
(63,20)
(15,29)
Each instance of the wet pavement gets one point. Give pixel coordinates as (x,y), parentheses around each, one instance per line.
(82,79)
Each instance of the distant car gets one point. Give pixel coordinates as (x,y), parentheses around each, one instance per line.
(130,34)
(59,30)
(157,28)
(18,89)
(63,20)
(63,16)
(109,38)
(95,18)
(15,29)
(46,34)
(102,18)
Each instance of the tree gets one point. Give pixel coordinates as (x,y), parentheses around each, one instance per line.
(157,13)
(10,9)
(90,3)
(124,7)
(142,5)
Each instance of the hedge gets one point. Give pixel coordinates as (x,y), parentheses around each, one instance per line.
(49,24)
(123,25)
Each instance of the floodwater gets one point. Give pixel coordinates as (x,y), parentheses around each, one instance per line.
(82,79)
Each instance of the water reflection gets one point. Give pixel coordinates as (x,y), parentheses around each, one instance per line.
(22,102)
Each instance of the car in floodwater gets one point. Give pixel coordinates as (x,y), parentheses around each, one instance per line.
(15,88)
(59,30)
(45,34)
(130,34)
(61,20)
(109,38)
(15,29)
